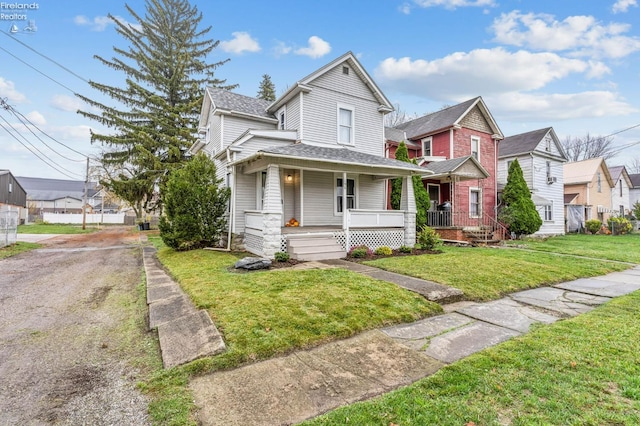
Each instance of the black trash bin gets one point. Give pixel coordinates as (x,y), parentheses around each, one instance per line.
(146,226)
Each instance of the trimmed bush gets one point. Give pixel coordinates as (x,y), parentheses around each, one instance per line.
(383,251)
(429,239)
(405,249)
(593,225)
(359,252)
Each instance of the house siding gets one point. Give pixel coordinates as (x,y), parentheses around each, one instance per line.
(553,192)
(616,199)
(236,126)
(245,198)
(293,114)
(374,200)
(475,120)
(17,196)
(318,188)
(321,110)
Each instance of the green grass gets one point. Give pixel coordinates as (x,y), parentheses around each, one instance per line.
(269,313)
(623,248)
(52,228)
(17,248)
(489,273)
(582,371)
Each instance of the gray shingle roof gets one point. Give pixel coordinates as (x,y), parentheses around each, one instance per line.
(230,101)
(616,171)
(43,189)
(522,143)
(635,180)
(446,166)
(340,155)
(433,122)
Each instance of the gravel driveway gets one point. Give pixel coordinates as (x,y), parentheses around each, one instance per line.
(61,309)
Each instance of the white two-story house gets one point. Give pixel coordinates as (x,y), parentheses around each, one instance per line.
(307,172)
(541,157)
(620,195)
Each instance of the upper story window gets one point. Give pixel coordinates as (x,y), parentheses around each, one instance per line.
(475,147)
(621,187)
(547,144)
(599,178)
(345,125)
(281,118)
(10,187)
(426,147)
(548,169)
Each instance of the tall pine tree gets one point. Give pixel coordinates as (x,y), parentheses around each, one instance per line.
(156,117)
(267,89)
(518,211)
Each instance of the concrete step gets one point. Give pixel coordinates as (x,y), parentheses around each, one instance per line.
(314,248)
(311,242)
(320,256)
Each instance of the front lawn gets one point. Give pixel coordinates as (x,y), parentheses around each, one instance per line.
(489,273)
(581,371)
(623,248)
(53,228)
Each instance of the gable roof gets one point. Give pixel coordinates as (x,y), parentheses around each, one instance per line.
(527,142)
(447,118)
(635,180)
(583,171)
(618,172)
(303,84)
(454,165)
(43,189)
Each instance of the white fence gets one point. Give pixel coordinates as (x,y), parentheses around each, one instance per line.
(8,227)
(76,218)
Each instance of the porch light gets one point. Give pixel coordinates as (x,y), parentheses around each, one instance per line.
(289,178)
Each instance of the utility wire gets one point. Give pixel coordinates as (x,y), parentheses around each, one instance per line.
(21,117)
(37,70)
(45,57)
(54,166)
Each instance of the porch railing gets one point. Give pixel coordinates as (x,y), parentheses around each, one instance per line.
(463,219)
(375,218)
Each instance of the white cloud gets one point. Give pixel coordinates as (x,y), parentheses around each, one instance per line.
(460,76)
(454,4)
(241,42)
(36,118)
(281,49)
(316,49)
(577,35)
(66,103)
(100,23)
(621,6)
(554,107)
(8,90)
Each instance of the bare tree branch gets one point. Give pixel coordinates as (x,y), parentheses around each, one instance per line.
(586,147)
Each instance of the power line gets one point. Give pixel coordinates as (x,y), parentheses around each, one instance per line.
(22,117)
(46,57)
(54,166)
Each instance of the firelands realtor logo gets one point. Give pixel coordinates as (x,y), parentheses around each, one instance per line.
(20,16)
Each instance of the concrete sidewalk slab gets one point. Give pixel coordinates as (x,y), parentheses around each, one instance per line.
(600,287)
(431,291)
(188,338)
(171,309)
(507,313)
(417,335)
(567,303)
(161,292)
(305,384)
(462,342)
(620,277)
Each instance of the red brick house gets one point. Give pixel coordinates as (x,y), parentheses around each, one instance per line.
(460,145)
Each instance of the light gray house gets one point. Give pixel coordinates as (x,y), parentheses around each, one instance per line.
(620,195)
(541,157)
(316,158)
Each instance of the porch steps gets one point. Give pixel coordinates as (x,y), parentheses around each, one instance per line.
(480,236)
(308,247)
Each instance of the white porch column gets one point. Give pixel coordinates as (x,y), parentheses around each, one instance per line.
(345,213)
(408,204)
(272,213)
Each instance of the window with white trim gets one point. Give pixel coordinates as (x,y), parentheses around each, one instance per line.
(599,177)
(548,212)
(475,147)
(350,194)
(475,202)
(281,118)
(426,147)
(345,125)
(262,184)
(547,144)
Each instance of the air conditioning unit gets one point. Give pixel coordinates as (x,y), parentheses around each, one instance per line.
(551,180)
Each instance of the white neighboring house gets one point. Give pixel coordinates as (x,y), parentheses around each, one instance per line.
(541,156)
(634,191)
(620,196)
(315,157)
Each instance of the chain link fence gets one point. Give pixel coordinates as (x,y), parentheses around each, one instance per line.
(8,227)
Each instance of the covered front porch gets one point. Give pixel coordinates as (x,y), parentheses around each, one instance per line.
(462,204)
(322,202)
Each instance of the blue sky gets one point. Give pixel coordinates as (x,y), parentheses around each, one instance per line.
(570,64)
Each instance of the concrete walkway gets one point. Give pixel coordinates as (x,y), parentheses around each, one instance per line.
(185,333)
(305,384)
